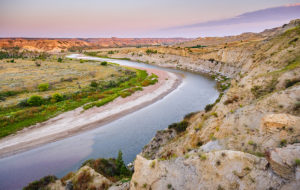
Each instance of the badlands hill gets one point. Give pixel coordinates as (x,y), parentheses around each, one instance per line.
(56,45)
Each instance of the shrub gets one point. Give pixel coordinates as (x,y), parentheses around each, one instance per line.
(203,157)
(67,177)
(104,63)
(94,84)
(38,63)
(189,115)
(297,162)
(297,106)
(23,103)
(283,142)
(259,91)
(152,165)
(40,184)
(231,100)
(111,168)
(179,127)
(110,52)
(291,82)
(151,51)
(43,87)
(82,180)
(35,100)
(59,60)
(57,97)
(208,107)
(214,114)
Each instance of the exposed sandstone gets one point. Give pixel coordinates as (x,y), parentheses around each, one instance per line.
(282,160)
(215,170)
(275,122)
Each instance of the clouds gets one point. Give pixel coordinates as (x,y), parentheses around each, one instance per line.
(283,13)
(255,21)
(122,18)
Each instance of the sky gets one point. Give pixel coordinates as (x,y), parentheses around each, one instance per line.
(127,18)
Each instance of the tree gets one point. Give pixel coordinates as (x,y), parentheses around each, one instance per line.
(121,168)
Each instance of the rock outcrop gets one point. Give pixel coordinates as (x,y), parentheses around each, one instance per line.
(249,138)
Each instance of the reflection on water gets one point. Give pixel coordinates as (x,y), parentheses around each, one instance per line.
(129,134)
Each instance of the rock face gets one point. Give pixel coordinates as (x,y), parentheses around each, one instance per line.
(161,138)
(84,178)
(275,122)
(249,139)
(214,170)
(282,161)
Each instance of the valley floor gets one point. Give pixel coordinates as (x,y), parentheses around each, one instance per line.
(79,120)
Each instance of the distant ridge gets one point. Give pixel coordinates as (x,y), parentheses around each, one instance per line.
(58,44)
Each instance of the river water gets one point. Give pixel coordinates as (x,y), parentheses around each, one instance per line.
(129,133)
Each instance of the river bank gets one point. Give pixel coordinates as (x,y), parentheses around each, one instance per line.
(78,120)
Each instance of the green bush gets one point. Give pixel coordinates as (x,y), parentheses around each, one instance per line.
(104,63)
(23,103)
(112,168)
(57,97)
(208,107)
(35,100)
(40,184)
(190,115)
(179,127)
(43,87)
(59,60)
(94,84)
(297,162)
(151,51)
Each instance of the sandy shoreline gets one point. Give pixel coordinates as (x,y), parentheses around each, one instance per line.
(75,121)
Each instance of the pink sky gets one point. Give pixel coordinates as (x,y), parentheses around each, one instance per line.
(121,18)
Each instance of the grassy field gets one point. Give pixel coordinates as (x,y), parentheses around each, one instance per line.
(66,77)
(30,93)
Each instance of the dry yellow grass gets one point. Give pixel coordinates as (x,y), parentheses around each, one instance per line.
(66,77)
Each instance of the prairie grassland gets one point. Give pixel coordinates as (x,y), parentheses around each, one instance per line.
(30,94)
(67,77)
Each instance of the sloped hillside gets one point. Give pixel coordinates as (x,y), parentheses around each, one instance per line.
(249,138)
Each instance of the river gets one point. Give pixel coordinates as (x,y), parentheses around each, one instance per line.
(129,133)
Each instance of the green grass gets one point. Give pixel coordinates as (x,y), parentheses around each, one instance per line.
(16,117)
(291,66)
